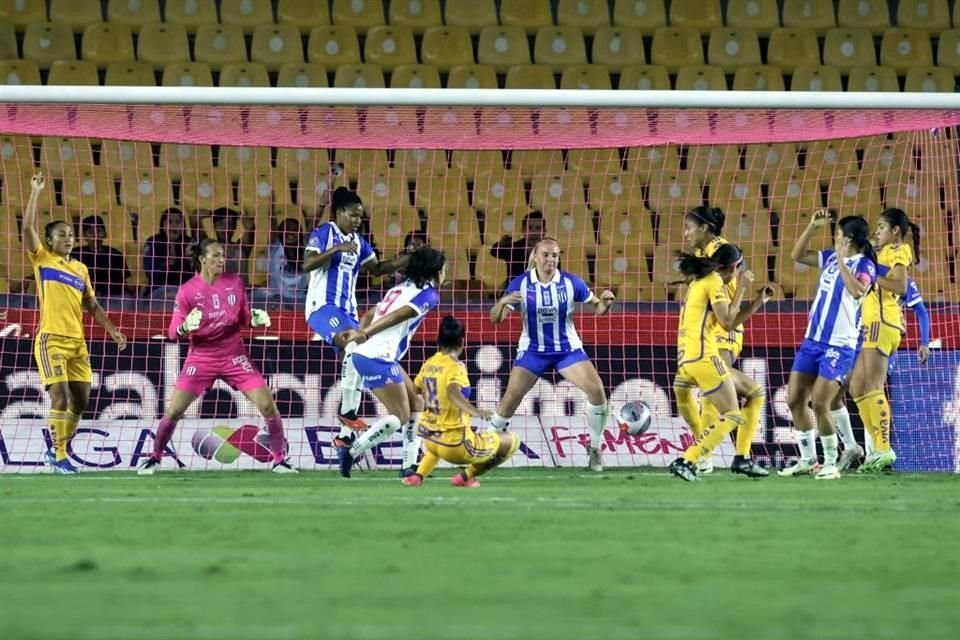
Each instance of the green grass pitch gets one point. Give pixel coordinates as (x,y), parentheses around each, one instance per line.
(529,555)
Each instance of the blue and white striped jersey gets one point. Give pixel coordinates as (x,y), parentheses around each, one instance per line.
(547,310)
(835,314)
(392,344)
(335,283)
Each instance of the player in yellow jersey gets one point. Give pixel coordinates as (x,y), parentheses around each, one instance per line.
(64,291)
(705,307)
(701,232)
(445,423)
(883,325)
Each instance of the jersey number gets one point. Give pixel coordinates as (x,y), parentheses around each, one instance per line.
(384,307)
(432,402)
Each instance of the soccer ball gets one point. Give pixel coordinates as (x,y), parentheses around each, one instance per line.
(635,417)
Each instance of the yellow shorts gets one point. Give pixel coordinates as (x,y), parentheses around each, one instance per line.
(461,446)
(62,359)
(706,373)
(882,337)
(735,347)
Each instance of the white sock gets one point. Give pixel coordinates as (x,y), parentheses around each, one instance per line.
(351,387)
(844,429)
(499,422)
(411,442)
(829,449)
(807,441)
(380,431)
(596,421)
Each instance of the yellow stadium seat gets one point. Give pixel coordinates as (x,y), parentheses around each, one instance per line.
(246,14)
(798,280)
(16,154)
(816,78)
(160,44)
(190,14)
(88,188)
(710,163)
(850,193)
(500,189)
(491,272)
(275,45)
(358,161)
(333,46)
(730,48)
(303,162)
(218,44)
(361,14)
(530,76)
(831,157)
(948,50)
(472,76)
(559,47)
(817,15)
(750,230)
(429,163)
(737,193)
(130,74)
(104,43)
(645,15)
(19,72)
(903,49)
(16,190)
(302,75)
(390,228)
(314,192)
(473,163)
(763,16)
(145,188)
(472,14)
(625,273)
(189,74)
(590,162)
(886,158)
(846,48)
(617,47)
(758,77)
(45,43)
(529,14)
(702,15)
(573,227)
(450,228)
(644,77)
(674,193)
(8,42)
(133,13)
(207,189)
(262,191)
(585,76)
(359,76)
(415,76)
(182,159)
(77,14)
(536,161)
(794,192)
(249,74)
(238,160)
(790,48)
(873,79)
(418,15)
(646,162)
(586,15)
(119,156)
(928,15)
(503,47)
(918,193)
(674,48)
(623,227)
(701,78)
(614,190)
(20,13)
(73,72)
(389,46)
(446,47)
(305,16)
(767,161)
(864,14)
(436,188)
(930,79)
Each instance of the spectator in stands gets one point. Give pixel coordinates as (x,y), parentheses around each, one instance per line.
(237,244)
(107,267)
(166,257)
(516,253)
(413,241)
(286,281)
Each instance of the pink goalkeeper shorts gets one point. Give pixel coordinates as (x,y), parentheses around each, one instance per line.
(199,374)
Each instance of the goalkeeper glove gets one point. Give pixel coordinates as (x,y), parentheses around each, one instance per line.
(259,318)
(191,322)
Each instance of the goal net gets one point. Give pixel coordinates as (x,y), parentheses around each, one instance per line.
(141,180)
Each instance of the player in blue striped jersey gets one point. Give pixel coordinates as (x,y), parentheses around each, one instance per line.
(335,254)
(546,297)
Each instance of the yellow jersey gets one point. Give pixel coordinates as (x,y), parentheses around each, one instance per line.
(62,286)
(881,305)
(696,335)
(730,288)
(436,374)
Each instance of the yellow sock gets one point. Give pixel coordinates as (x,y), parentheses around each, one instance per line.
(428,463)
(72,421)
(708,413)
(713,435)
(875,412)
(687,406)
(58,421)
(751,420)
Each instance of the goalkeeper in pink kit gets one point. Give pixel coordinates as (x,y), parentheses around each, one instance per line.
(211,309)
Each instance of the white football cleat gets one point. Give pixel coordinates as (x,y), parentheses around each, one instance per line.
(705,465)
(800,468)
(595,463)
(850,455)
(828,472)
(284,467)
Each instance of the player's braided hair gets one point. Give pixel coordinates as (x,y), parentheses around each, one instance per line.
(199,250)
(425,265)
(898,219)
(856,229)
(451,333)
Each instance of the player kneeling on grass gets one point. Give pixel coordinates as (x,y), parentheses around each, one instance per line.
(211,309)
(445,422)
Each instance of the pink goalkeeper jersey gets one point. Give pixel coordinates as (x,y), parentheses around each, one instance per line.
(225,314)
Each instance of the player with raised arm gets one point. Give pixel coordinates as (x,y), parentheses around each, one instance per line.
(211,310)
(64,292)
(826,356)
(335,253)
(706,307)
(546,297)
(445,423)
(381,341)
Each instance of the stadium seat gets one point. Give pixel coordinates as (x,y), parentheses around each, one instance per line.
(591,162)
(16,154)
(674,48)
(790,48)
(903,49)
(529,14)
(181,159)
(646,162)
(19,72)
(702,15)
(948,50)
(472,76)
(737,193)
(236,160)
(854,194)
(415,162)
(359,76)
(246,14)
(21,13)
(219,44)
(45,43)
(886,158)
(77,14)
(647,16)
(816,78)
(418,15)
(918,193)
(415,76)
(930,79)
(259,192)
(556,191)
(446,47)
(188,74)
(314,192)
(625,228)
(303,162)
(794,193)
(302,75)
(846,48)
(873,79)
(732,48)
(750,230)
(133,14)
(73,72)
(644,77)
(389,46)
(674,193)
(625,273)
(205,189)
(119,156)
(864,14)
(762,16)
(586,15)
(530,76)
(451,229)
(390,228)
(473,163)
(664,269)
(708,163)
(358,161)
(104,43)
(927,15)
(830,157)
(16,190)
(88,188)
(361,15)
(130,74)
(613,189)
(798,280)
(305,16)
(585,76)
(190,14)
(145,188)
(491,272)
(160,44)
(8,42)
(499,189)
(472,14)
(817,15)
(618,47)
(333,46)
(701,78)
(758,77)
(503,47)
(768,160)
(250,74)
(275,45)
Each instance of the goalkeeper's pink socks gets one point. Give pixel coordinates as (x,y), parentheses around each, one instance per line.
(164,433)
(278,444)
